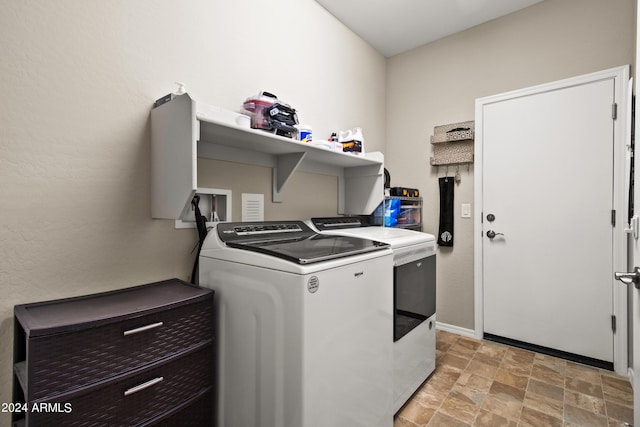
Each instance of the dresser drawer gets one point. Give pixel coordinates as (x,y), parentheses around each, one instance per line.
(199,413)
(66,361)
(135,398)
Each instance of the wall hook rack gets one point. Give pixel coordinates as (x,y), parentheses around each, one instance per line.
(452,144)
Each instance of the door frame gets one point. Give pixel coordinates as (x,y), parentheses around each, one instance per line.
(621,142)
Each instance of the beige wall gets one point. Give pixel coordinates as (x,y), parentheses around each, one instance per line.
(305,195)
(78,79)
(438,83)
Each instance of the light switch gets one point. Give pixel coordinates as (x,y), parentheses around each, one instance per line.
(465,210)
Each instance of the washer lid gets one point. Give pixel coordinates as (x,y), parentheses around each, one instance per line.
(293,241)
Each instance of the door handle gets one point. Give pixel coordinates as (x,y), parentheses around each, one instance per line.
(629,278)
(491,234)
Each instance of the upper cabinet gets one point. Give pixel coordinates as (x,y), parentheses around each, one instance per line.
(183,130)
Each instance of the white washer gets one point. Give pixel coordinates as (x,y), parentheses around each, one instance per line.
(303,326)
(414,284)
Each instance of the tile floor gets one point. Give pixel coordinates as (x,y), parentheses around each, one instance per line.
(481,383)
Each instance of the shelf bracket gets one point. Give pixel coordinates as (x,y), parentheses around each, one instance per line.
(286,164)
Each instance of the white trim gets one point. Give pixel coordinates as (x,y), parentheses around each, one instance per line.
(621,77)
(455,329)
(478,287)
(630,376)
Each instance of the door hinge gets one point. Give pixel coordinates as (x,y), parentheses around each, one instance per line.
(613,217)
(614,111)
(613,323)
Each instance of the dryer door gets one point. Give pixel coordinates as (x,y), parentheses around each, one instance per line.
(414,294)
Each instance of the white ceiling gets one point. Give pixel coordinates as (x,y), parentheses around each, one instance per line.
(395,26)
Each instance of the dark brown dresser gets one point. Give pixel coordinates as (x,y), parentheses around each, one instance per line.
(138,356)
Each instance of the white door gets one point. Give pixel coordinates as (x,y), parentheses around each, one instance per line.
(634,260)
(635,310)
(635,257)
(630,278)
(548,184)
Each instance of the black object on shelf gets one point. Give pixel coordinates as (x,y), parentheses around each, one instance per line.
(404,192)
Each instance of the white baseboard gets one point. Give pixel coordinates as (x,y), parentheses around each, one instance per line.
(629,374)
(470,333)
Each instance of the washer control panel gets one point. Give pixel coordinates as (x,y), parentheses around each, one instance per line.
(242,231)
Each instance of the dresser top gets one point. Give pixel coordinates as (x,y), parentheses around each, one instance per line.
(44,318)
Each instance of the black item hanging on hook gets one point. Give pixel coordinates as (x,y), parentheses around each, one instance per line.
(445,231)
(201,225)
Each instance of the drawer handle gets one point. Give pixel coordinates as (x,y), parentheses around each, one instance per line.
(142,329)
(142,386)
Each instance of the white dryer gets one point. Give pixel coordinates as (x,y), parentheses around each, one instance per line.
(304,330)
(414,290)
